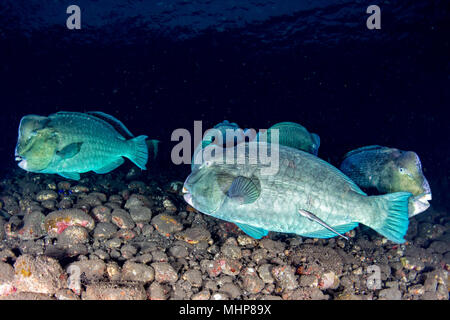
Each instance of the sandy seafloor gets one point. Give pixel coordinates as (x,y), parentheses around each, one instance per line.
(130,235)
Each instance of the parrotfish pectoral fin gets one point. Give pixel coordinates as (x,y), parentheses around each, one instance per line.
(139,151)
(253,232)
(70,175)
(393,214)
(111,166)
(244,189)
(313,217)
(70,150)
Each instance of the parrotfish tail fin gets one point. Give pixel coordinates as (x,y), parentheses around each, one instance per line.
(316,140)
(153,148)
(139,151)
(393,215)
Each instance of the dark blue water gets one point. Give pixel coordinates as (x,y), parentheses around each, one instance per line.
(159,66)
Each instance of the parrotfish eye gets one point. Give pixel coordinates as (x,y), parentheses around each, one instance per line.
(208,164)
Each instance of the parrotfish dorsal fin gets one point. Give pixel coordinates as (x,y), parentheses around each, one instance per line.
(117,124)
(226,123)
(313,217)
(87,117)
(244,189)
(364,149)
(70,150)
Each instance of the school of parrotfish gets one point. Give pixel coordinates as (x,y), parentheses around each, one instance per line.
(305,195)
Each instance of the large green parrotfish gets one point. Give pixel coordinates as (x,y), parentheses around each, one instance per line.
(70,143)
(293,135)
(306,196)
(225,134)
(388,170)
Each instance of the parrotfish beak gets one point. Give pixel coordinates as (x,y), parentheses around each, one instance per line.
(187,196)
(23,164)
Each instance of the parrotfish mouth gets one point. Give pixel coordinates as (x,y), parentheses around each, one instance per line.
(420,204)
(23,164)
(187,196)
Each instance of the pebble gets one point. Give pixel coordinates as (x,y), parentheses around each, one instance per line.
(285,277)
(128,251)
(390,294)
(114,291)
(231,251)
(157,291)
(104,230)
(141,214)
(63,185)
(46,195)
(125,234)
(329,280)
(113,271)
(122,219)
(166,224)
(159,256)
(138,272)
(65,203)
(309,280)
(79,189)
(138,200)
(194,277)
(230,267)
(232,290)
(265,273)
(440,247)
(251,282)
(32,228)
(2,228)
(73,235)
(114,243)
(178,251)
(304,294)
(27,296)
(39,274)
(57,221)
(271,245)
(144,258)
(89,270)
(169,206)
(202,295)
(6,279)
(247,241)
(48,204)
(101,214)
(164,272)
(66,294)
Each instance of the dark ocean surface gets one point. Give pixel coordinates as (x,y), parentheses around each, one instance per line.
(159,66)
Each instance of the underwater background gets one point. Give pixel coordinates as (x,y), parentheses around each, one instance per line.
(161,65)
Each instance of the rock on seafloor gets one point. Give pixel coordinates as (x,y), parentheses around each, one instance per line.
(108,238)
(38,274)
